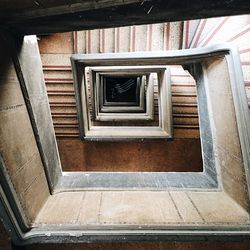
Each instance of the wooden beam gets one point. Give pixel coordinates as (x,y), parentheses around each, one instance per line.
(82,15)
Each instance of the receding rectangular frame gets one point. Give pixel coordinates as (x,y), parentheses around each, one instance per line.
(192,57)
(139,90)
(104,106)
(147,115)
(131,114)
(164,130)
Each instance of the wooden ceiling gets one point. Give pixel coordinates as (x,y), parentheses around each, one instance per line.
(51,16)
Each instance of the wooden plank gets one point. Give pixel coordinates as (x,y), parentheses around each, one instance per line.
(89,15)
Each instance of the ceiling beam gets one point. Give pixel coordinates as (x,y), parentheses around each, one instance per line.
(83,15)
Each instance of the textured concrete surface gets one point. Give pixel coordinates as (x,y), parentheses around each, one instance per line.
(38,107)
(141,209)
(18,146)
(158,156)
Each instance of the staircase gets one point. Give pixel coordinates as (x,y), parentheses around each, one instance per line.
(40,212)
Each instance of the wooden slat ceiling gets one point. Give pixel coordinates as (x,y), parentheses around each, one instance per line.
(44,16)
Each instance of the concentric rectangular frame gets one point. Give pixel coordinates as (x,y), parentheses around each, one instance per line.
(139,91)
(163,131)
(198,61)
(103,106)
(121,112)
(144,112)
(194,60)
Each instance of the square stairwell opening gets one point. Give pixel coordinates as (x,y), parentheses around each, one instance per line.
(180,154)
(121,90)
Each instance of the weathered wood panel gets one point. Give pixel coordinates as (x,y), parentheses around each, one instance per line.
(43,17)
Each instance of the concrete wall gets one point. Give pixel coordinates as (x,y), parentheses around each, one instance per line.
(21,159)
(226,140)
(158,156)
(234,29)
